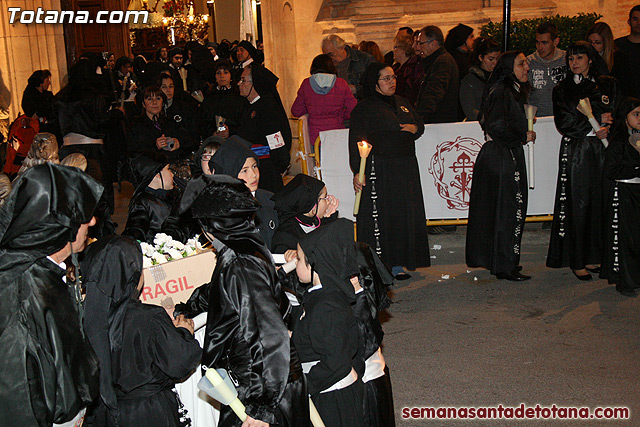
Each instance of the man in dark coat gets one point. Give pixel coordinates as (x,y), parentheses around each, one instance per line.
(49,373)
(438,94)
(265,125)
(350,63)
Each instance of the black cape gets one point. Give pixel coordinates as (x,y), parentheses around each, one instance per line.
(327,331)
(142,354)
(245,331)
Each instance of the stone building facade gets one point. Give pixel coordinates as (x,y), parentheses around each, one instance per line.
(293,29)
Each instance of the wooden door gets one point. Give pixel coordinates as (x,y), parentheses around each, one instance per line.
(81,38)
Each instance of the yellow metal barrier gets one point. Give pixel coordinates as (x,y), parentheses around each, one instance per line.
(463,221)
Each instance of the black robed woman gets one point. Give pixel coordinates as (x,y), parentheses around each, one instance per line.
(392,217)
(498,201)
(576,233)
(621,257)
(245,331)
(142,353)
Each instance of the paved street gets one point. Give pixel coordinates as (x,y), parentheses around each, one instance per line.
(472,340)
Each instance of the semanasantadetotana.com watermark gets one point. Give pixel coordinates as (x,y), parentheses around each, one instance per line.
(41,16)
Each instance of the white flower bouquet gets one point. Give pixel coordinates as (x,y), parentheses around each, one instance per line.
(165,249)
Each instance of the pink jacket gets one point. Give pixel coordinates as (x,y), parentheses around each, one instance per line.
(326,112)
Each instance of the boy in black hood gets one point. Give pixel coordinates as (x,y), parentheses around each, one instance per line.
(153,207)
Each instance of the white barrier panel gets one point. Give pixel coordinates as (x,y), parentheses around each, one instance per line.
(446,155)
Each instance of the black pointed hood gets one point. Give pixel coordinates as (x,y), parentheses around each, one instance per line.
(44,211)
(111,271)
(330,250)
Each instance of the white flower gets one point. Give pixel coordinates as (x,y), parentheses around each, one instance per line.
(178,245)
(189,250)
(146,262)
(161,239)
(174,254)
(159,258)
(147,249)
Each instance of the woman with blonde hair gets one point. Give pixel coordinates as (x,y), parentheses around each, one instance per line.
(43,149)
(601,38)
(406,65)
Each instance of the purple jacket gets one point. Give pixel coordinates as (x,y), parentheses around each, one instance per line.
(326,112)
(410,76)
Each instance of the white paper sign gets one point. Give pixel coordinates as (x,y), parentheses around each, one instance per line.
(275,140)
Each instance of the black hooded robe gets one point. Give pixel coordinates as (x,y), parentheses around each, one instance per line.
(621,255)
(145,354)
(245,331)
(326,332)
(49,372)
(297,198)
(154,211)
(395,185)
(577,229)
(499,193)
(266,117)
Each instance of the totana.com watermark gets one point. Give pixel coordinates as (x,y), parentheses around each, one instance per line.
(41,16)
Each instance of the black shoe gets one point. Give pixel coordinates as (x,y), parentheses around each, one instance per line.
(584,278)
(402,276)
(627,292)
(434,230)
(513,276)
(519,268)
(595,270)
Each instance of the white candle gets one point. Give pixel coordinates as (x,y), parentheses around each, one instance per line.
(364,148)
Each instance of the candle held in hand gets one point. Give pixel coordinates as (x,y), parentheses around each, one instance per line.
(364,148)
(530,112)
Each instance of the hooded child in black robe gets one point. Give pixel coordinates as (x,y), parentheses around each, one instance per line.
(326,334)
(142,354)
(154,210)
(245,331)
(302,205)
(235,158)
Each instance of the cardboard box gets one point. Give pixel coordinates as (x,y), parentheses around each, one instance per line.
(173,282)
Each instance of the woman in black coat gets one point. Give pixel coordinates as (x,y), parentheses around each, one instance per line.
(576,233)
(498,201)
(152,131)
(392,217)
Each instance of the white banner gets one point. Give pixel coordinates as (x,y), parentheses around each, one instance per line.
(446,155)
